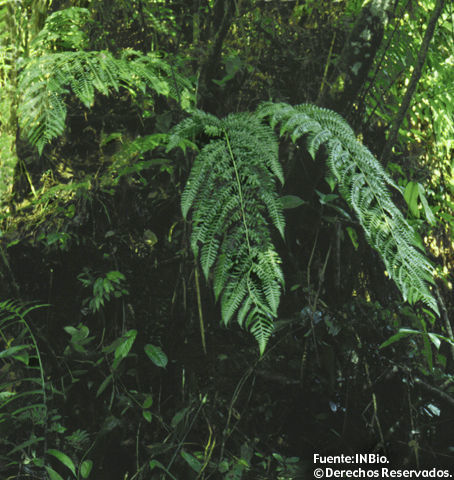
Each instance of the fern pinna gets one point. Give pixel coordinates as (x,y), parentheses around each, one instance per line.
(231,190)
(364,185)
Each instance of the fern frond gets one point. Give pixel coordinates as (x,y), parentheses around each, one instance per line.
(42,112)
(27,391)
(47,78)
(364,184)
(232,193)
(200,173)
(235,293)
(64,30)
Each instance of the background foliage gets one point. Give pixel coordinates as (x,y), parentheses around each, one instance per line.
(145,142)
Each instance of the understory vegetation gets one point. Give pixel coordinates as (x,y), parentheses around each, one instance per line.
(226,237)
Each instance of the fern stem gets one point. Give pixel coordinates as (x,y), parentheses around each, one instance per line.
(325,72)
(240,191)
(27,176)
(199,307)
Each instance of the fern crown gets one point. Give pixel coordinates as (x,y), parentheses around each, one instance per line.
(232,187)
(232,193)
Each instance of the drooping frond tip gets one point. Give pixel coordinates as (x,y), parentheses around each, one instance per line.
(364,184)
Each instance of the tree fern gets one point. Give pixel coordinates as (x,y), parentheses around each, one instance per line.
(231,191)
(364,185)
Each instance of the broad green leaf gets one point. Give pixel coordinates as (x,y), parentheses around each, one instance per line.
(156,355)
(191,461)
(403,332)
(427,210)
(326,198)
(63,459)
(125,346)
(12,350)
(435,340)
(104,385)
(148,402)
(353,237)
(53,475)
(411,197)
(147,415)
(128,339)
(71,330)
(291,201)
(85,468)
(331,181)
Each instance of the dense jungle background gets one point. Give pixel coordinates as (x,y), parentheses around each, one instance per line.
(226,236)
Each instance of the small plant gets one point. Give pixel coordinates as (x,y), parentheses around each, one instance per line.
(103,287)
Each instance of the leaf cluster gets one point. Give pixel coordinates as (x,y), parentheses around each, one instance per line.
(23,397)
(232,193)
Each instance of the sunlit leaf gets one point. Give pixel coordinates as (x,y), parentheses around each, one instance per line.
(156,355)
(63,459)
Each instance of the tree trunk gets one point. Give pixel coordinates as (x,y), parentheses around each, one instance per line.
(416,75)
(357,57)
(222,19)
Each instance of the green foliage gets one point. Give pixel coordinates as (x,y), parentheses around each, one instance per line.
(130,159)
(423,149)
(232,192)
(46,79)
(103,286)
(64,30)
(156,355)
(23,397)
(110,408)
(364,185)
(52,72)
(9,159)
(121,347)
(231,189)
